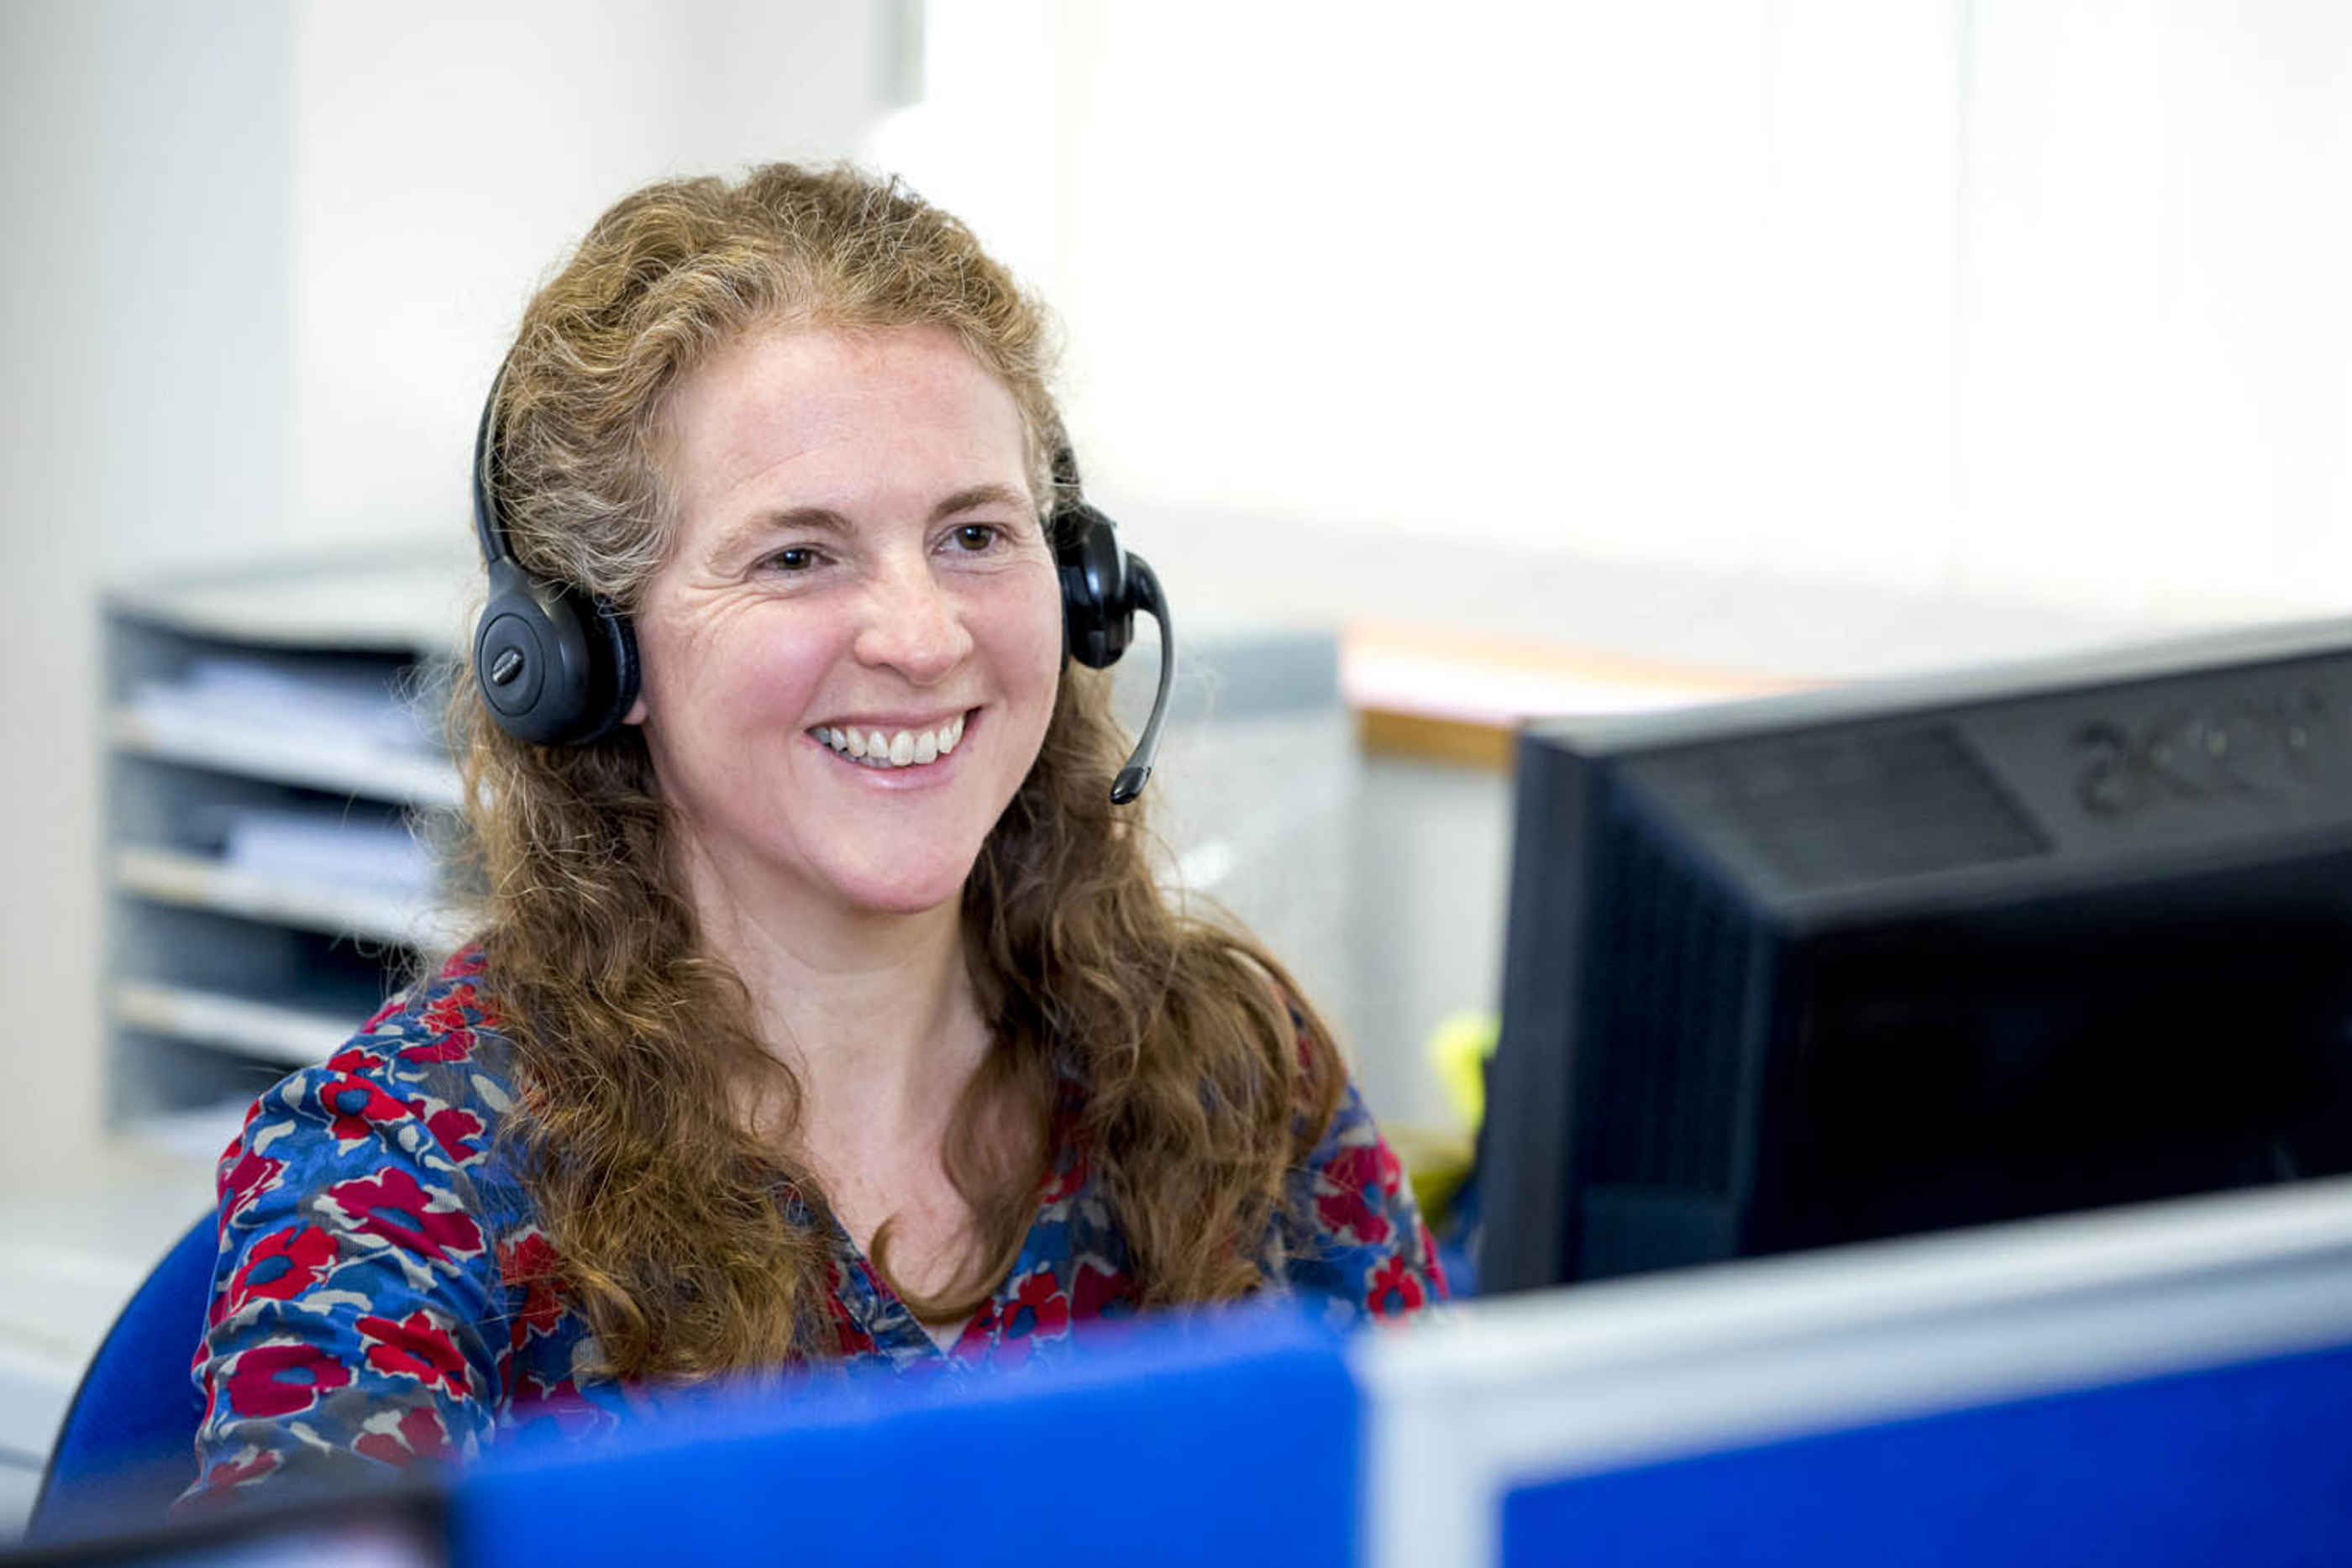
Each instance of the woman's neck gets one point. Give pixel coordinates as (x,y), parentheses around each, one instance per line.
(874,1014)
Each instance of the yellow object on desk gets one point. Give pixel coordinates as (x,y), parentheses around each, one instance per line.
(1437,1159)
(1458,1051)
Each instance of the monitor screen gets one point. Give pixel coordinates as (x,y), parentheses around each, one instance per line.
(1900,957)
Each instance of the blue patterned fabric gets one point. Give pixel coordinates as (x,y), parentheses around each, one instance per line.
(385,1294)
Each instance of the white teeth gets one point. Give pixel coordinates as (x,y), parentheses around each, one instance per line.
(908,749)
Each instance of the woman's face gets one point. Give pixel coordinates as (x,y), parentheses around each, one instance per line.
(857,555)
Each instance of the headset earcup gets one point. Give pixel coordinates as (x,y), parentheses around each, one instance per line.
(613,676)
(1098,606)
(536,658)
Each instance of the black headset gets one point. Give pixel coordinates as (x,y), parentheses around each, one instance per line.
(558,666)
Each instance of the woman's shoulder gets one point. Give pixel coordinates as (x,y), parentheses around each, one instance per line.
(371,1234)
(1362,1247)
(1355,1236)
(426,1083)
(440,1039)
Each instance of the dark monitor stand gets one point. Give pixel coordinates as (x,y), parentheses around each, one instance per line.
(1908,955)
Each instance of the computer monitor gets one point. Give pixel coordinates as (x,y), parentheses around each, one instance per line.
(1904,955)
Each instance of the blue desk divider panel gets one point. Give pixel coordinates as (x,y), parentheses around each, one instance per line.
(2248,1464)
(1227,1439)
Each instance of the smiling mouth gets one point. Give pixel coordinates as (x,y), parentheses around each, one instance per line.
(885,749)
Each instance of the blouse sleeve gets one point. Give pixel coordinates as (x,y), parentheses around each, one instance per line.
(1364,1251)
(354,1280)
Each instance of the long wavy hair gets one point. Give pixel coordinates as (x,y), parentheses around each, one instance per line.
(1177,1053)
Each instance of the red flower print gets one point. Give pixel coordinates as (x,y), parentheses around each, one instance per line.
(978,1333)
(234,1472)
(465,964)
(281,1266)
(450,1128)
(561,1402)
(415,1347)
(1038,1313)
(1360,1167)
(221,1481)
(533,1264)
(382,1013)
(1095,1290)
(446,1013)
(395,1207)
(1066,1182)
(281,1379)
(849,1336)
(457,1010)
(1040,1308)
(1355,1173)
(1349,1217)
(404,1436)
(355,1058)
(251,1175)
(235,1145)
(1431,1267)
(1395,1290)
(357,1107)
(454,1046)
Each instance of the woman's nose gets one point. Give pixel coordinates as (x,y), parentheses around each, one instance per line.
(913,624)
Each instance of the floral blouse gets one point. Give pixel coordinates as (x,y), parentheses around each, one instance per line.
(385,1294)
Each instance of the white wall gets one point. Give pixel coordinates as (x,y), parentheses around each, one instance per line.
(52,411)
(1985,301)
(1541,275)
(338,212)
(1995,298)
(2157,396)
(445,155)
(194,120)
(322,220)
(144,173)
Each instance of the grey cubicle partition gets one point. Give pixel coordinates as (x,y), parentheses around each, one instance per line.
(2164,1384)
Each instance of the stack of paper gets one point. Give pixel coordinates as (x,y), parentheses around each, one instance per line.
(308,699)
(328,846)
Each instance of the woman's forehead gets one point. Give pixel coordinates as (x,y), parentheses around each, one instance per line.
(816,417)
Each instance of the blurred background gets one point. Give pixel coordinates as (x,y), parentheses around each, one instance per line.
(1449,366)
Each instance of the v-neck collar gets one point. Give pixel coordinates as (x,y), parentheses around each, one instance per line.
(891,1325)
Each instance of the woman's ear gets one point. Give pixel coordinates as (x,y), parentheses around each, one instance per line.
(636,713)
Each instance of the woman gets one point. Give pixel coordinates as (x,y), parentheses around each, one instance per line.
(826,1008)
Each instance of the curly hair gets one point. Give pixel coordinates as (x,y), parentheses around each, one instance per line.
(692,1245)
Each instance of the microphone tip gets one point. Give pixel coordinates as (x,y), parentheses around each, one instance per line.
(1129,784)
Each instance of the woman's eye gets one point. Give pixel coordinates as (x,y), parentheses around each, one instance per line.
(797,558)
(976,537)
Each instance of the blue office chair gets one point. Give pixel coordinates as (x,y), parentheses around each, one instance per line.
(127,1447)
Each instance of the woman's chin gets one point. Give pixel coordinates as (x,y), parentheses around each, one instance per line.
(903,906)
(904,890)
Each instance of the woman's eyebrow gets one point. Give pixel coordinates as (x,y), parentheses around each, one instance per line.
(973,496)
(755,531)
